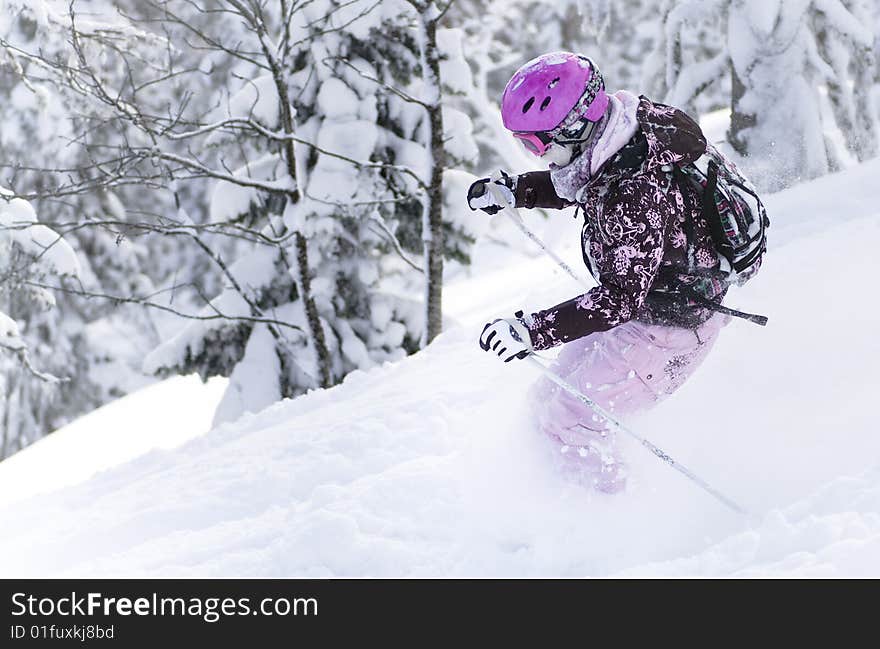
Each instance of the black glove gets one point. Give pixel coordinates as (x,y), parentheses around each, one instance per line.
(480,198)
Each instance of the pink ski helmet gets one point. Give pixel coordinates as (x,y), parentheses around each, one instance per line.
(551,89)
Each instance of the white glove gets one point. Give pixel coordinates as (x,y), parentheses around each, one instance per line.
(506,338)
(481,198)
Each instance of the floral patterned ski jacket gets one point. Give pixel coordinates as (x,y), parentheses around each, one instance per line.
(644,237)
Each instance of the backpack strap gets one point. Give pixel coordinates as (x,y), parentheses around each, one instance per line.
(720,308)
(712,218)
(688,224)
(748,260)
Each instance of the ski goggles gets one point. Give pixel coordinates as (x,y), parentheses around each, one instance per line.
(538,142)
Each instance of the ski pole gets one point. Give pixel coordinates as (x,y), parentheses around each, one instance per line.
(513,214)
(577,394)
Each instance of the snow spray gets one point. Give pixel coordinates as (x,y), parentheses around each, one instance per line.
(656,450)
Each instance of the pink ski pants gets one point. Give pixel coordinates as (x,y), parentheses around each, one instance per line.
(624,370)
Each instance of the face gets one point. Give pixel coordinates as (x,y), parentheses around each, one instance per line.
(558,155)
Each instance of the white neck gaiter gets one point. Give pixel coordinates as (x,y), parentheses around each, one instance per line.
(614,130)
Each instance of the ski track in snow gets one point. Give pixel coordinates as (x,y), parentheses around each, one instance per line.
(429,467)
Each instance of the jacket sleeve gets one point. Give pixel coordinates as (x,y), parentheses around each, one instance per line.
(634,219)
(535,189)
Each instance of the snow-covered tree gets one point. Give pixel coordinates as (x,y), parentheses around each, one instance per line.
(325,143)
(781,59)
(94,342)
(503,34)
(687,59)
(31,256)
(847,43)
(498,36)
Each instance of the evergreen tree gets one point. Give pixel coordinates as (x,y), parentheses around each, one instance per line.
(338,135)
(778,56)
(31,257)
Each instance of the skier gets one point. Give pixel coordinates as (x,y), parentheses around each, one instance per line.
(656,312)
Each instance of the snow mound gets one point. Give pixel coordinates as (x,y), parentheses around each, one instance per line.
(835,532)
(430,466)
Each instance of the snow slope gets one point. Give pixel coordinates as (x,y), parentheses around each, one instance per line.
(161,416)
(429,466)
